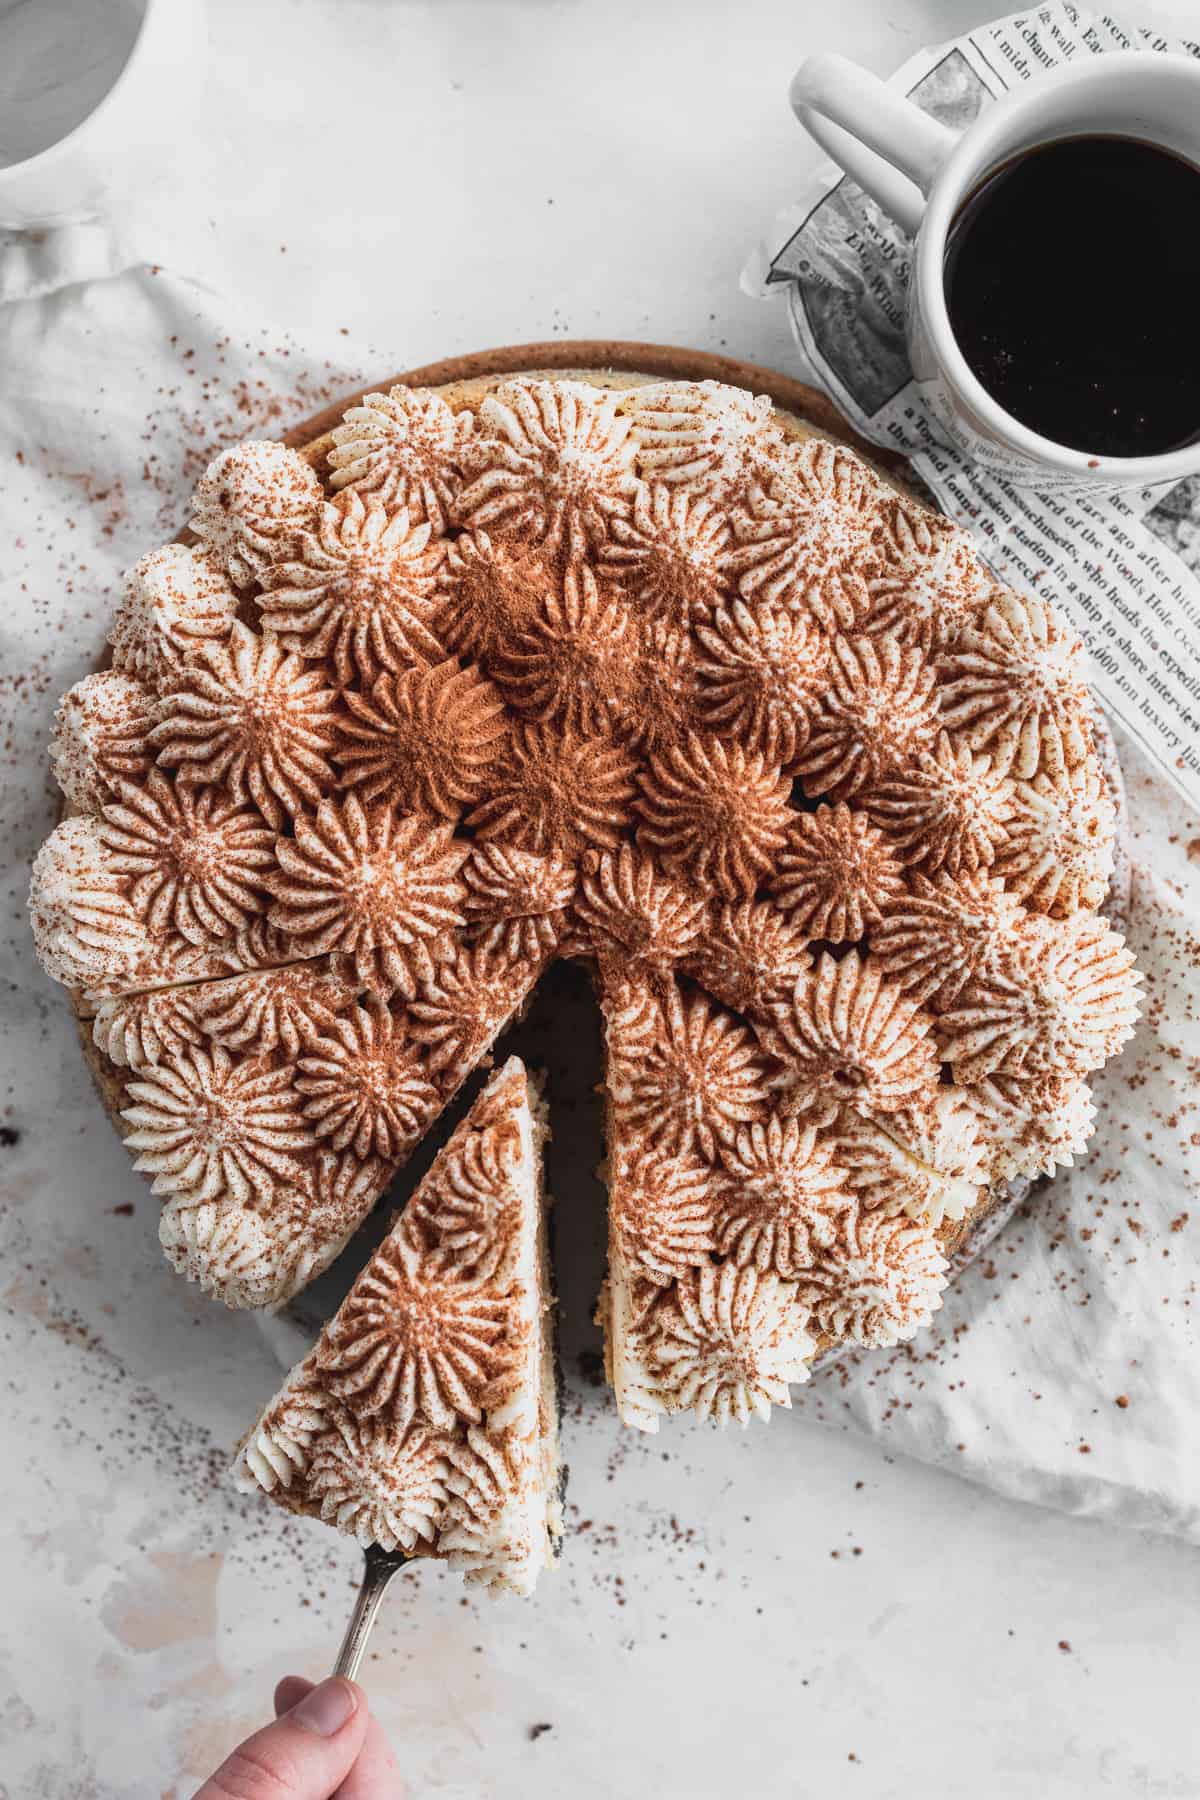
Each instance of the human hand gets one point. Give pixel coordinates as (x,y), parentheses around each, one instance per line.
(323,1743)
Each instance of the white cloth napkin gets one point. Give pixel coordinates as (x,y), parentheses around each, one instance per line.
(1064,1367)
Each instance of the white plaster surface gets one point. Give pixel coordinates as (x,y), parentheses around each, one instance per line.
(788,1613)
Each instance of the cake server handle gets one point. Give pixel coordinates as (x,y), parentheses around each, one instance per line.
(378,1568)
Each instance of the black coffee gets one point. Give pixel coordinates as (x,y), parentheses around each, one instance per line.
(1073,286)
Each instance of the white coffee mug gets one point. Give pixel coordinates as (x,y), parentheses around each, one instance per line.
(920,173)
(144,116)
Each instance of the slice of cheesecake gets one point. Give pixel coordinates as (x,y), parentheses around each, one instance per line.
(424,1418)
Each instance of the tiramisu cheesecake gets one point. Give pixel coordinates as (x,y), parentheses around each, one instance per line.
(424,1419)
(641,672)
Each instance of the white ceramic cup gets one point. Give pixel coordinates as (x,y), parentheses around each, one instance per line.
(144,115)
(920,173)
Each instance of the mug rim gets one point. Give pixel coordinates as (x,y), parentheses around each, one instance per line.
(949,188)
(42,159)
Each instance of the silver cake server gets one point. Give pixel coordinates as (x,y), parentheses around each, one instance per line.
(378,1568)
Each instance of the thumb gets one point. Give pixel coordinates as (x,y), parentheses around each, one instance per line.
(305,1754)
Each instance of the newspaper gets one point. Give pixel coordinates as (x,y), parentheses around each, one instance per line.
(1125,568)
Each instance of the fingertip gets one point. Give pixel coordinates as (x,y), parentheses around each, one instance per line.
(330,1706)
(289,1691)
(309,1749)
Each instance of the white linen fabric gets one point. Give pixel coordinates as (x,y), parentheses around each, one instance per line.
(1064,1366)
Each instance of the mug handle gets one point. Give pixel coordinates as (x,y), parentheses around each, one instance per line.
(885,143)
